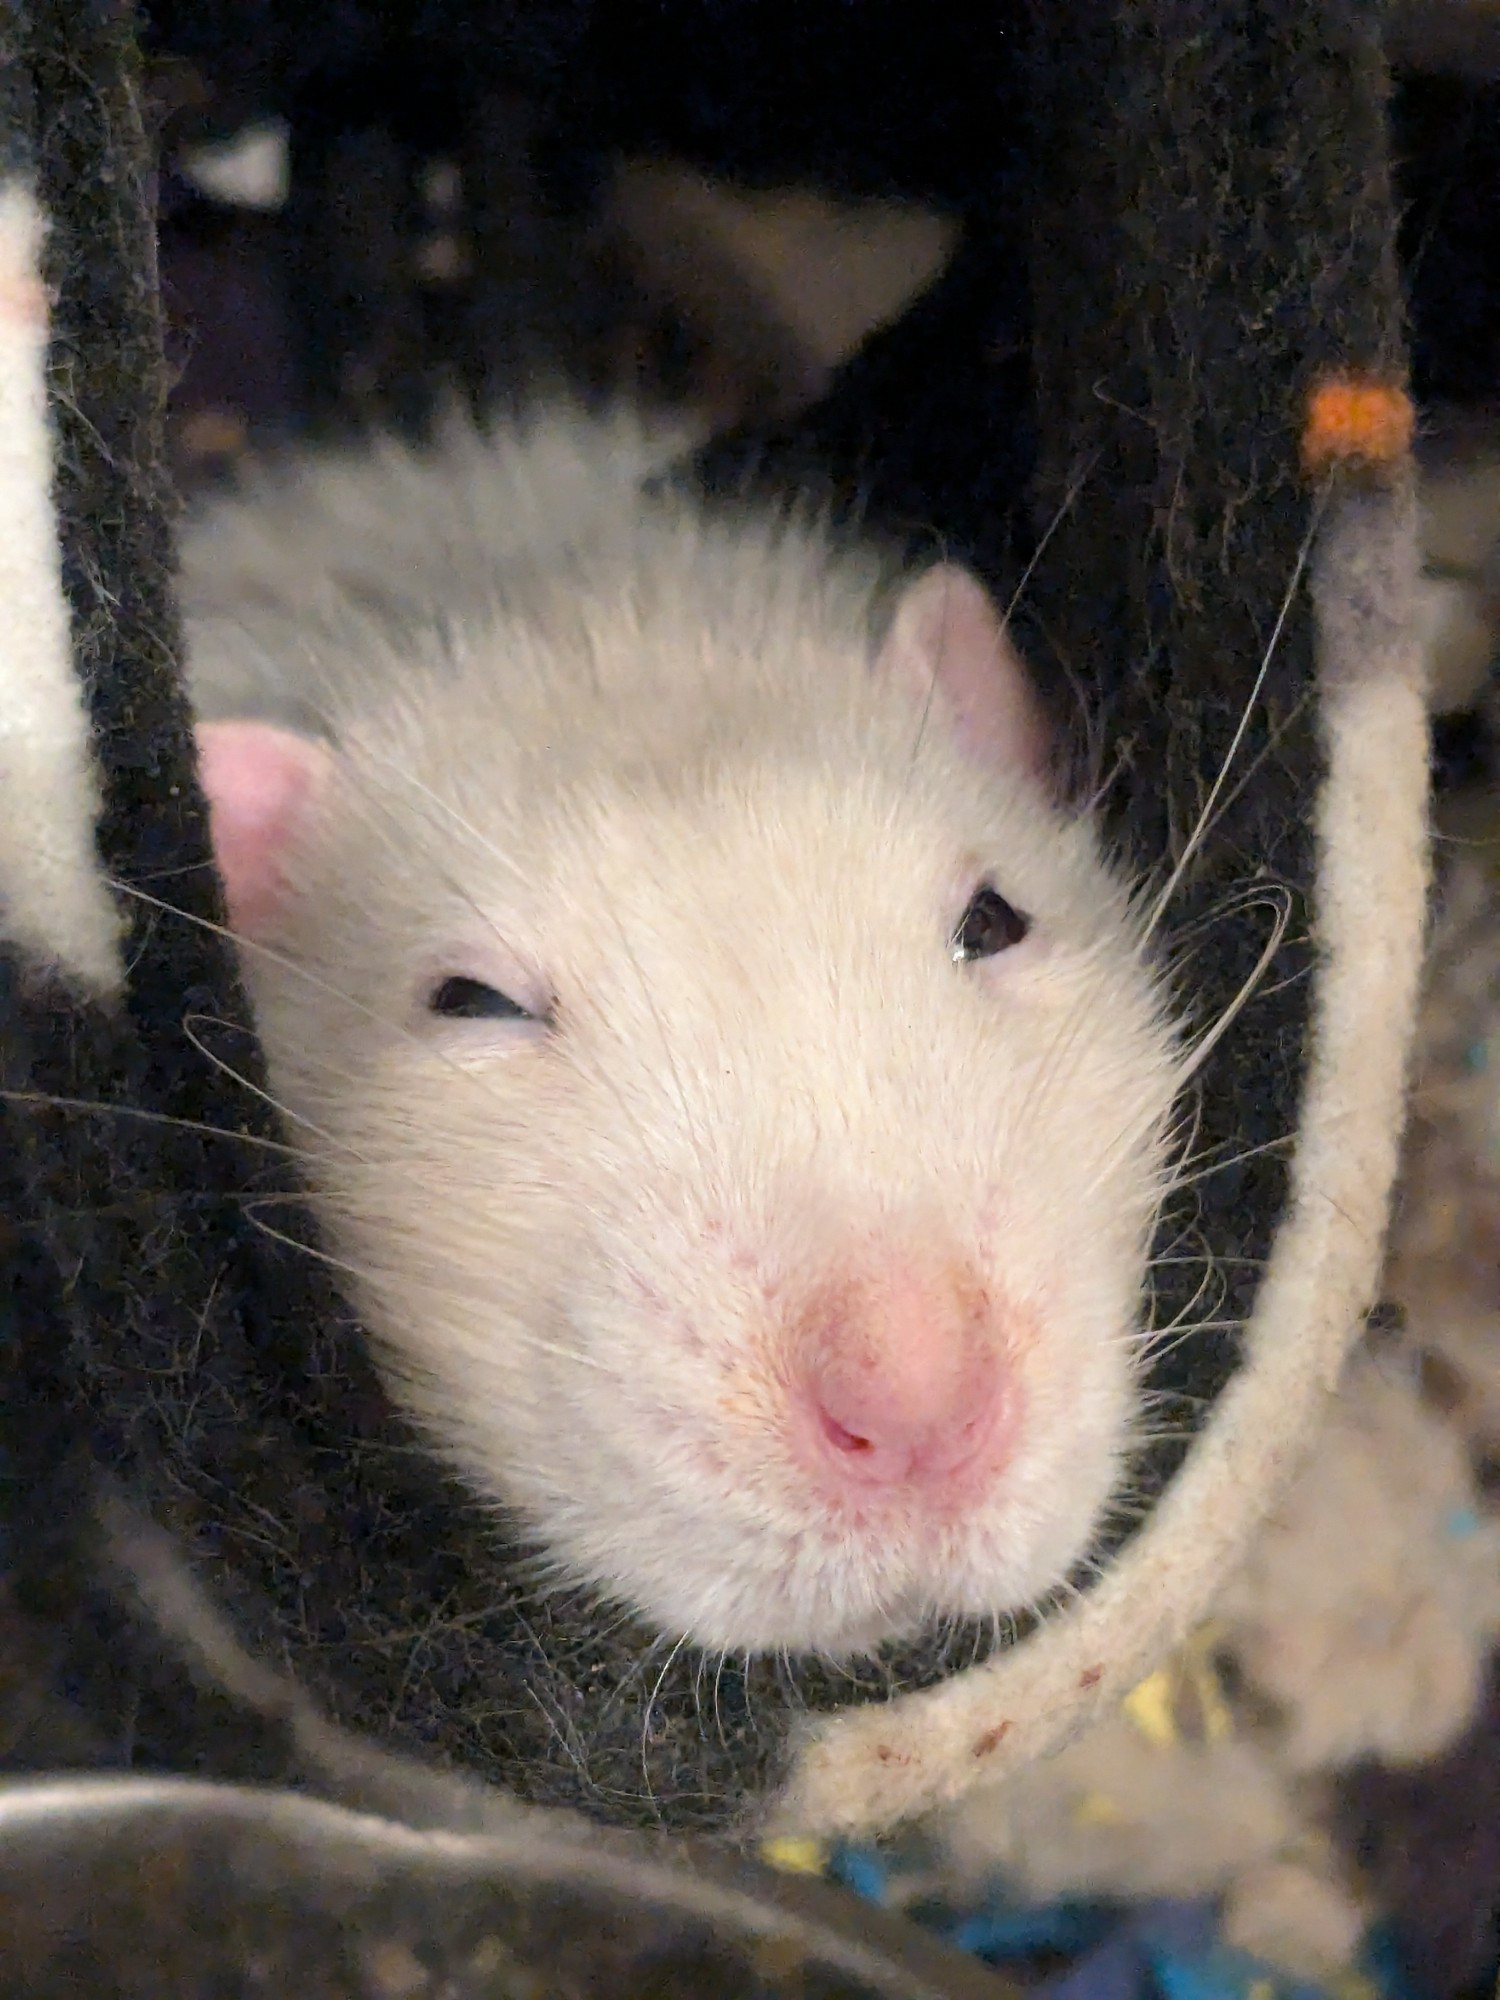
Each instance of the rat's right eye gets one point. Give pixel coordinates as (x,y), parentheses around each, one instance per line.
(459,999)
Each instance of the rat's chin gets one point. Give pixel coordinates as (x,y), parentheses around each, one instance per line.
(869,1593)
(833,1639)
(839,1612)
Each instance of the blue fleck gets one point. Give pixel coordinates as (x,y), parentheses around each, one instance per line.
(1009,1931)
(862,1871)
(1217,1974)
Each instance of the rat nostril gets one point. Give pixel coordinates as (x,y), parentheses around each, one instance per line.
(903,1424)
(875,1433)
(842,1439)
(903,1384)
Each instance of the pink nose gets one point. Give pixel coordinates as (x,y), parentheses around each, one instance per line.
(903,1384)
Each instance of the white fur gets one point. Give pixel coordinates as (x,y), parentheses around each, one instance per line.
(638,762)
(53,901)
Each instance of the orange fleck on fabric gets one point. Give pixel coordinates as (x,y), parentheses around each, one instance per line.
(1354,419)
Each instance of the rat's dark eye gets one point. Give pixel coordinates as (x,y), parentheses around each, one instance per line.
(471,1000)
(989,925)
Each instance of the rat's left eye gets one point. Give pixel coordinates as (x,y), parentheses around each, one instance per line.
(989,925)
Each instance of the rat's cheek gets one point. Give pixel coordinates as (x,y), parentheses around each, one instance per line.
(1083,1402)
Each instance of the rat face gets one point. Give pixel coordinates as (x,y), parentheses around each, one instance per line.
(746,1144)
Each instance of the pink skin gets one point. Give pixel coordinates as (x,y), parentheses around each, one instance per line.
(259,781)
(950,644)
(899,1386)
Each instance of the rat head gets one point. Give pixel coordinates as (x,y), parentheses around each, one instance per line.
(736,1086)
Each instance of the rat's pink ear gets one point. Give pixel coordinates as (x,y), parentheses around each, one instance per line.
(259,781)
(949,642)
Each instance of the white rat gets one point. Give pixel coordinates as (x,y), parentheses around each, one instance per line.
(733,1079)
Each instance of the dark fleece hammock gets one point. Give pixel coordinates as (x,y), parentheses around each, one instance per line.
(221,1552)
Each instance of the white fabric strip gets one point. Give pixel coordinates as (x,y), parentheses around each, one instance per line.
(53,899)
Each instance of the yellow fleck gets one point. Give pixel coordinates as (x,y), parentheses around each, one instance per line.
(796,1857)
(1149,1707)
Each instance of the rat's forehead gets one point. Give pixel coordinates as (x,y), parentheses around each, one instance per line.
(792,848)
(764,815)
(750,815)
